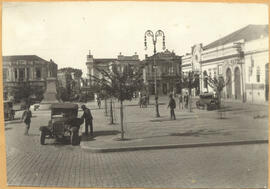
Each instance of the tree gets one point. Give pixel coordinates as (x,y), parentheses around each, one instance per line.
(77,72)
(72,93)
(120,84)
(190,81)
(63,94)
(218,85)
(27,93)
(98,88)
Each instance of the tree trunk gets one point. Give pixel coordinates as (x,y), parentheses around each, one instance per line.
(157,110)
(219,99)
(122,118)
(111,111)
(105,107)
(190,98)
(190,103)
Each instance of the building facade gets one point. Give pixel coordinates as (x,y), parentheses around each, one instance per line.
(168,69)
(96,64)
(28,70)
(240,57)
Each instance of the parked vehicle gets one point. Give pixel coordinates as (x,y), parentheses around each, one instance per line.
(63,124)
(35,107)
(207,101)
(9,112)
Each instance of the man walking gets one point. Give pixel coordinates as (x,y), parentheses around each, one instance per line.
(26,118)
(172,106)
(99,102)
(87,116)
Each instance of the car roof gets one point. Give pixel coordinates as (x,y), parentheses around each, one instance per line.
(64,106)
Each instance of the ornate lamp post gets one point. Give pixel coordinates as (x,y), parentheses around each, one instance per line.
(158,33)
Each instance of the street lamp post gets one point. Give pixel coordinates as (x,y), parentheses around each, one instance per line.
(158,33)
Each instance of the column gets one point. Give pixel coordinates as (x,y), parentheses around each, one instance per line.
(25,74)
(17,69)
(233,83)
(33,73)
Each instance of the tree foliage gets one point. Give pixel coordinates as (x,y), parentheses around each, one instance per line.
(218,85)
(77,72)
(120,84)
(63,94)
(27,93)
(191,81)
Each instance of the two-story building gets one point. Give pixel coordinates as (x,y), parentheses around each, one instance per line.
(94,65)
(26,69)
(164,68)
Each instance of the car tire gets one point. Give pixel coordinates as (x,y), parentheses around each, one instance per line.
(42,138)
(74,138)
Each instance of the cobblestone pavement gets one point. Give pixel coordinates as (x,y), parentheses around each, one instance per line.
(30,164)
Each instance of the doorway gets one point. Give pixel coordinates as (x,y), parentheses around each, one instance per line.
(237,83)
(229,85)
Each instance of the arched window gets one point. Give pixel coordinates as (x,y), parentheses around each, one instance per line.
(258,74)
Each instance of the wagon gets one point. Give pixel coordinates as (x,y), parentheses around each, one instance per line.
(63,124)
(207,101)
(9,113)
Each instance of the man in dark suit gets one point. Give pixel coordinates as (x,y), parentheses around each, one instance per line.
(88,118)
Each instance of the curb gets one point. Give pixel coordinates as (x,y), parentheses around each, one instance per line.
(156,147)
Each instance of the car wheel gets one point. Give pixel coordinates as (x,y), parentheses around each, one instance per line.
(42,138)
(74,138)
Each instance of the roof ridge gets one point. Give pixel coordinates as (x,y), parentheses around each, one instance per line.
(238,33)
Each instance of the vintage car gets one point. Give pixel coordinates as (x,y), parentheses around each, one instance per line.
(207,101)
(64,124)
(34,107)
(9,113)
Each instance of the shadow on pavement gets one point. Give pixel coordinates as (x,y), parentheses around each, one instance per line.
(13,122)
(7,128)
(99,133)
(179,118)
(33,135)
(202,132)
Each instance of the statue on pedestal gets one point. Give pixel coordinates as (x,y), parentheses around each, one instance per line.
(50,94)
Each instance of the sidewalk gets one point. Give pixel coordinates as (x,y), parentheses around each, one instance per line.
(241,124)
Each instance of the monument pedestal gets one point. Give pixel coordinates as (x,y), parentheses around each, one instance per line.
(49,95)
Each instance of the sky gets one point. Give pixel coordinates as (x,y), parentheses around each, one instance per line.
(66,31)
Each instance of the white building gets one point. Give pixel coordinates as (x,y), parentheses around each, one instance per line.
(240,57)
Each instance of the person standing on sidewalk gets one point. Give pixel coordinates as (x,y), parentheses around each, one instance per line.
(26,118)
(88,118)
(172,106)
(99,102)
(180,101)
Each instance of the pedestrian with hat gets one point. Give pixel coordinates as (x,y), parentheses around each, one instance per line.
(26,118)
(172,106)
(88,119)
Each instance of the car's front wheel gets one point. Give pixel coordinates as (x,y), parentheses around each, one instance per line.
(42,138)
